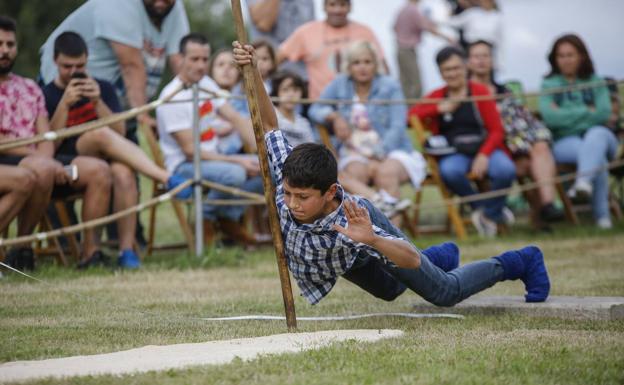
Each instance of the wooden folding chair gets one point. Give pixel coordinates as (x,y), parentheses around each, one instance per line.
(157,190)
(454,222)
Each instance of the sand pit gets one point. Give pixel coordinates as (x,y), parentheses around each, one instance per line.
(178,356)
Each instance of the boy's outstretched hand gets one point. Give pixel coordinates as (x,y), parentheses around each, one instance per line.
(243,54)
(359,227)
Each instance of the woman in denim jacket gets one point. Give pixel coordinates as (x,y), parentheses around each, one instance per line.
(371,139)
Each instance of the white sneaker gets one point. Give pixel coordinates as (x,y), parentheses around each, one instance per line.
(604,223)
(581,191)
(485,227)
(508,216)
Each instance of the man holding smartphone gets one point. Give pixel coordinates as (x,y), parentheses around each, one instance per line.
(73,98)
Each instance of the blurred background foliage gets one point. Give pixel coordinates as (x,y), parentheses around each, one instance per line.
(36,19)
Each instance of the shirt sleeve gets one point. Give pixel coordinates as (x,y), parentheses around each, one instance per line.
(118,20)
(40,104)
(278,150)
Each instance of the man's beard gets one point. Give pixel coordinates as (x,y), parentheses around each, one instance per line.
(156,15)
(5,69)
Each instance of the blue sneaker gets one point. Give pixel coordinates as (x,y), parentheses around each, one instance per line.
(527,264)
(128,259)
(176,180)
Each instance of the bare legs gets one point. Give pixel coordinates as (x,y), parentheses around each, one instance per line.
(107,144)
(16,186)
(125,194)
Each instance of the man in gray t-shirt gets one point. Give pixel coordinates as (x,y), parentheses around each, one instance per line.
(276,20)
(129,43)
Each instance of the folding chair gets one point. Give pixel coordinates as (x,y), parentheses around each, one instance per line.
(157,190)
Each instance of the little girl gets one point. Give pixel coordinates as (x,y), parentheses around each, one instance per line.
(289,87)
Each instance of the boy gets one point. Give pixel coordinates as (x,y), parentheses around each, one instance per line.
(329,233)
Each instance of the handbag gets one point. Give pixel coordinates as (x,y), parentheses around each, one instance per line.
(469,144)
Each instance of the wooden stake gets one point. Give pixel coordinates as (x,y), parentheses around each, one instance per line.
(269,189)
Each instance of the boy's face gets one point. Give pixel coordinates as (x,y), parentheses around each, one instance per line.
(308,204)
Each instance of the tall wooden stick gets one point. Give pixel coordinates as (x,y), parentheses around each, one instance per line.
(269,189)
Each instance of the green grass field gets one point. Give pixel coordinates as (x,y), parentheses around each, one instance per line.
(102,311)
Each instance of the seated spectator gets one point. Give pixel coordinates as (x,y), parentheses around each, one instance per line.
(475,131)
(175,123)
(276,20)
(320,44)
(526,137)
(267,66)
(224,73)
(22,108)
(389,160)
(577,119)
(73,98)
(290,87)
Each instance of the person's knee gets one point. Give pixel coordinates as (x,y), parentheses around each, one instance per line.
(43,168)
(451,173)
(504,171)
(25,181)
(101,174)
(234,175)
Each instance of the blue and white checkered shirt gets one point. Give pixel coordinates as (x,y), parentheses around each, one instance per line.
(317,255)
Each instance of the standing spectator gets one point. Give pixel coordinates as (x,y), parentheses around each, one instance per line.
(526,137)
(175,123)
(276,20)
(476,131)
(129,43)
(408,28)
(481,22)
(387,161)
(74,98)
(320,44)
(289,88)
(577,120)
(23,114)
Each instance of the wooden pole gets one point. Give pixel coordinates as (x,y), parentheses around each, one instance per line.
(269,189)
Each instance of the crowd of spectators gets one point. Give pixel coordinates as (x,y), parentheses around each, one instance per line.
(110,55)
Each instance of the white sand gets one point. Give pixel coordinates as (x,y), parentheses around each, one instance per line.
(179,356)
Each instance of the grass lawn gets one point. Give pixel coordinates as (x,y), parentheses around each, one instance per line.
(111,311)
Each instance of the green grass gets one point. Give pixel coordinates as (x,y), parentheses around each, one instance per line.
(102,311)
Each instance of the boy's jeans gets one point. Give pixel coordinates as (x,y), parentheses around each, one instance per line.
(428,281)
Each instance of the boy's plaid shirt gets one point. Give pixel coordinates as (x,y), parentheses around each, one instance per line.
(317,255)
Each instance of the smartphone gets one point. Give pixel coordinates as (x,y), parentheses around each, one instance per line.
(79,75)
(72,172)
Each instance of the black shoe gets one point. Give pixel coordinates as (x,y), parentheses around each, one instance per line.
(96,259)
(21,259)
(549,213)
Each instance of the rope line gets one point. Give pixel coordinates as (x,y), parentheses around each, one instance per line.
(251,317)
(51,136)
(256,199)
(89,126)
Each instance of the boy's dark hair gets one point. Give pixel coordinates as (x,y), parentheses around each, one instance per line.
(70,44)
(192,37)
(7,24)
(447,52)
(281,76)
(586,68)
(311,165)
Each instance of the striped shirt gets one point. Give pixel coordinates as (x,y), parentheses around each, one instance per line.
(317,255)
